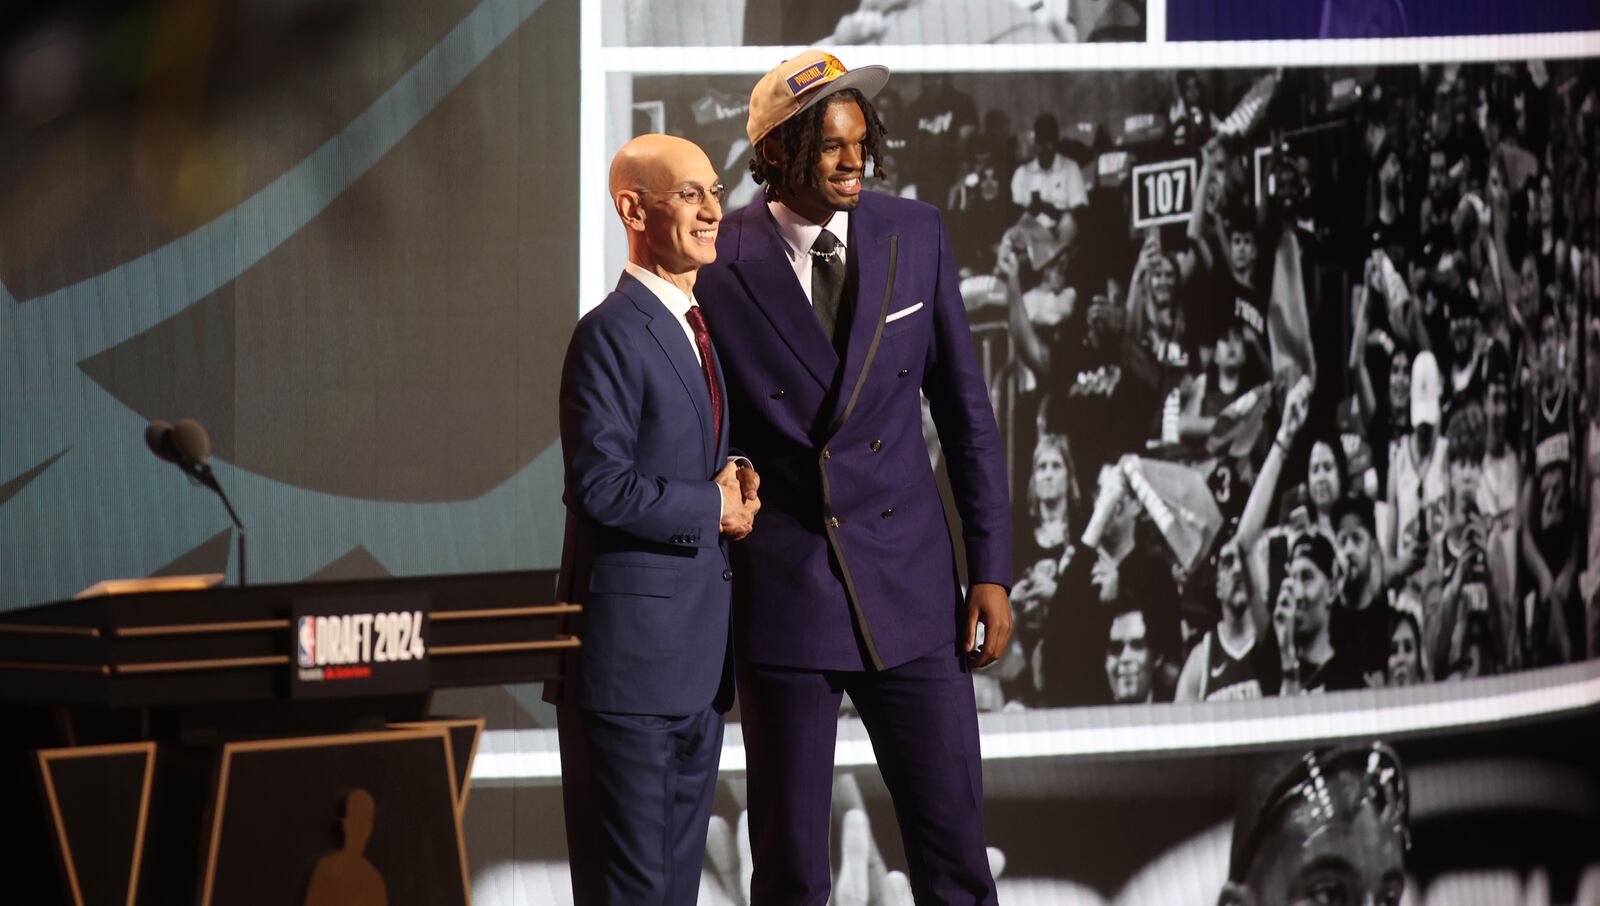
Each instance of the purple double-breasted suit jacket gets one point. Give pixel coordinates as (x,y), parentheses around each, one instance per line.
(851,538)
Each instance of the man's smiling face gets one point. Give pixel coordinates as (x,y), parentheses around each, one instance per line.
(840,166)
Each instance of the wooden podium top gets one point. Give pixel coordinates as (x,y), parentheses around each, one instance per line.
(196,582)
(223,644)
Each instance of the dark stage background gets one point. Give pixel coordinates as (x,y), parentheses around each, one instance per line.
(342,236)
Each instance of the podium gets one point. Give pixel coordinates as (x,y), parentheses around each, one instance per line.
(270,744)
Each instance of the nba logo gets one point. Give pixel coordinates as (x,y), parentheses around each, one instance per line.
(308,641)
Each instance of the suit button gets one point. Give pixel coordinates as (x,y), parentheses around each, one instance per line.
(889,512)
(833,521)
(903,372)
(779,394)
(727,574)
(826,454)
(876,445)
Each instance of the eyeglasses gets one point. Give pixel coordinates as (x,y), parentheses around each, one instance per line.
(1310,784)
(693,194)
(1116,647)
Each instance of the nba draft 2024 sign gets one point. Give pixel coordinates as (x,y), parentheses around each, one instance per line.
(359,645)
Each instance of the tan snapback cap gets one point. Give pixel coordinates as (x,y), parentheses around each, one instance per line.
(800,82)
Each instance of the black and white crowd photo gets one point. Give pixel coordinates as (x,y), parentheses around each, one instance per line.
(1490,816)
(1295,367)
(853,23)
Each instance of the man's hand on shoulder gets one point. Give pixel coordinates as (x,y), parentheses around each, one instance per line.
(739,500)
(987,604)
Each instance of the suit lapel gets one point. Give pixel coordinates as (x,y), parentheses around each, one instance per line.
(675,346)
(870,239)
(763,266)
(721,443)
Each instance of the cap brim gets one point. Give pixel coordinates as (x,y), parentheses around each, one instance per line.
(869,80)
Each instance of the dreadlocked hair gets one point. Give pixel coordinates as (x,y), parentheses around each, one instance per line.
(800,137)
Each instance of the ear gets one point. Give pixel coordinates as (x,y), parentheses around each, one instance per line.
(630,207)
(771,151)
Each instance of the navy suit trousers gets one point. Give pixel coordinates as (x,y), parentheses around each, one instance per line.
(637,791)
(923,722)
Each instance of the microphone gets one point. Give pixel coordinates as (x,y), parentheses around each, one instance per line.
(191,441)
(158,437)
(193,446)
(187,445)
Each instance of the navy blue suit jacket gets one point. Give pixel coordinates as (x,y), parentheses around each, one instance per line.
(643,551)
(852,531)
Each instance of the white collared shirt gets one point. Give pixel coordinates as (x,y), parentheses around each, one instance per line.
(799,234)
(1060,186)
(679,302)
(676,300)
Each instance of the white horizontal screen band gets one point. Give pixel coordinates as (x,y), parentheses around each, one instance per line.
(516,755)
(909,58)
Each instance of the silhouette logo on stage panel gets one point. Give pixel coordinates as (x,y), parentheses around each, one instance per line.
(345,877)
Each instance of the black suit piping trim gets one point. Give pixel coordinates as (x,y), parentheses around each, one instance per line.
(822,462)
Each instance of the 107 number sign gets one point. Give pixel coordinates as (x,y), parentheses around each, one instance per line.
(1163,193)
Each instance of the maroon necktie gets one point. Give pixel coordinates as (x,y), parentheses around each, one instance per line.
(702,339)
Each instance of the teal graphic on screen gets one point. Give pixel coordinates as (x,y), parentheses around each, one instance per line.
(344,257)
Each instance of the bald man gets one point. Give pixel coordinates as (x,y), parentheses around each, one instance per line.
(652,500)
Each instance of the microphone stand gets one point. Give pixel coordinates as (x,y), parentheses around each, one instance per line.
(202,473)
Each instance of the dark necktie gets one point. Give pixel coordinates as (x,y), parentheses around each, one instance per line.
(827,283)
(702,339)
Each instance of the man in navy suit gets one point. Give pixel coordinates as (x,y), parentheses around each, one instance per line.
(832,307)
(650,499)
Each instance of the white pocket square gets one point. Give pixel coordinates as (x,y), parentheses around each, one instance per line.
(903,312)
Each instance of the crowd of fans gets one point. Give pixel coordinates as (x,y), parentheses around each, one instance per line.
(1370,342)
(836,23)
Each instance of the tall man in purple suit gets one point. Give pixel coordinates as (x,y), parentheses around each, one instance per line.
(832,307)
(644,437)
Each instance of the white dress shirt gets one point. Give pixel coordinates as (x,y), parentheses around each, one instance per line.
(1061,185)
(799,234)
(676,300)
(679,302)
